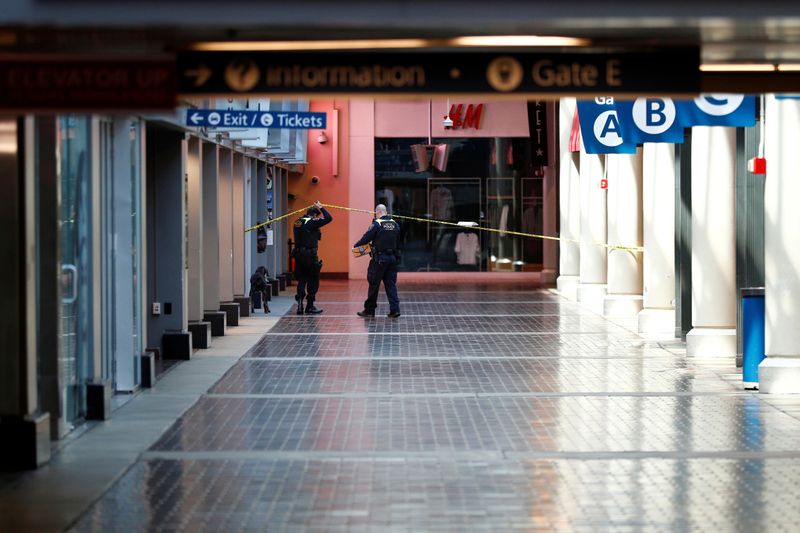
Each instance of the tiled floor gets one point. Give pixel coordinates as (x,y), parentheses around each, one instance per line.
(485,407)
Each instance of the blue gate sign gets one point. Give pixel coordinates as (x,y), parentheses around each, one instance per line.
(219,118)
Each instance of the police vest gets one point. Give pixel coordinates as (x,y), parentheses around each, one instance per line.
(387,237)
(303,238)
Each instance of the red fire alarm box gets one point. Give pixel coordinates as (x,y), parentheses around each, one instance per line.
(757,165)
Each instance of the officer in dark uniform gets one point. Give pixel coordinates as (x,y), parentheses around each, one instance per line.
(307,264)
(383,236)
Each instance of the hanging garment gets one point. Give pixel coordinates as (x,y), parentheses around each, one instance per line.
(468,248)
(386,197)
(503,219)
(441,204)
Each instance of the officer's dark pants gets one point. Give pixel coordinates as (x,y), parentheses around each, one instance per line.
(386,272)
(306,271)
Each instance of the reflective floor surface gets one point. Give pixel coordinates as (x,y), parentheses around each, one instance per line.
(484,407)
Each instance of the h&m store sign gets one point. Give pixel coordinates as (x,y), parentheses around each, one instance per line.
(466,116)
(673,70)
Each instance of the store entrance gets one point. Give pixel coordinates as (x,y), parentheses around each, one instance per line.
(488,189)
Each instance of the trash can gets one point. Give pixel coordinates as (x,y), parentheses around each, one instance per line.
(752,334)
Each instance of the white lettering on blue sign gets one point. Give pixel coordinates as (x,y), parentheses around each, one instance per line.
(654,115)
(607,130)
(719,104)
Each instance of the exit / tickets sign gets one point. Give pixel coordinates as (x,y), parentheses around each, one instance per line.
(218,118)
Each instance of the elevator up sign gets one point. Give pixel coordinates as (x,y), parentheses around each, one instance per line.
(34,83)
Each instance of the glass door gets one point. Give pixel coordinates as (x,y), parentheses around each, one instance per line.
(75,346)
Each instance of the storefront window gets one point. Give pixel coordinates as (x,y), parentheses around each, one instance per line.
(487,182)
(75,350)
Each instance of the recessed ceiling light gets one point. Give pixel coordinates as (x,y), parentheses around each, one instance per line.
(734,67)
(789,67)
(372,44)
(518,40)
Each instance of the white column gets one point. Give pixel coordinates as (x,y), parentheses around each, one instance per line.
(713,243)
(780,372)
(550,248)
(569,206)
(624,298)
(195,231)
(225,214)
(594,232)
(658,210)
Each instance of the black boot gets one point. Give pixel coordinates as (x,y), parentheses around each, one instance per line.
(299,304)
(311,310)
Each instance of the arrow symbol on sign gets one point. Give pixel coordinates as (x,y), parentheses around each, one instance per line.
(200,75)
(196,118)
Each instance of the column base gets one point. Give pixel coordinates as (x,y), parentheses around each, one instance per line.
(547,277)
(24,442)
(217,319)
(232,311)
(779,375)
(593,295)
(622,305)
(711,342)
(275,284)
(657,321)
(177,345)
(98,400)
(201,334)
(244,305)
(148,362)
(567,286)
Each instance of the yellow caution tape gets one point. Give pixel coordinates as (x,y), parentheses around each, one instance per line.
(637,249)
(491,230)
(271,221)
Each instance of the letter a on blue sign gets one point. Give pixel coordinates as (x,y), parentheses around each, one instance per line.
(602,130)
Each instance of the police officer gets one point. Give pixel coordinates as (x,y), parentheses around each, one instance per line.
(307,264)
(383,237)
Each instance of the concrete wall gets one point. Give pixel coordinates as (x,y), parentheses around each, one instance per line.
(166,263)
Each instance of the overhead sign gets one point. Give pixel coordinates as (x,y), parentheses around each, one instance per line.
(218,118)
(34,83)
(601,129)
(661,71)
(610,126)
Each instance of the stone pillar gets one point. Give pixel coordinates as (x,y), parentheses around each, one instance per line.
(237,229)
(569,205)
(624,298)
(713,243)
(594,232)
(658,315)
(550,248)
(194,246)
(225,219)
(24,431)
(780,371)
(210,227)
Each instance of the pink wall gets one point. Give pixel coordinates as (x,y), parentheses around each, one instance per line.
(401,118)
(331,189)
(407,118)
(362,176)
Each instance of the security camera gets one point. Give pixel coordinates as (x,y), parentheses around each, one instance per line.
(447,123)
(314,179)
